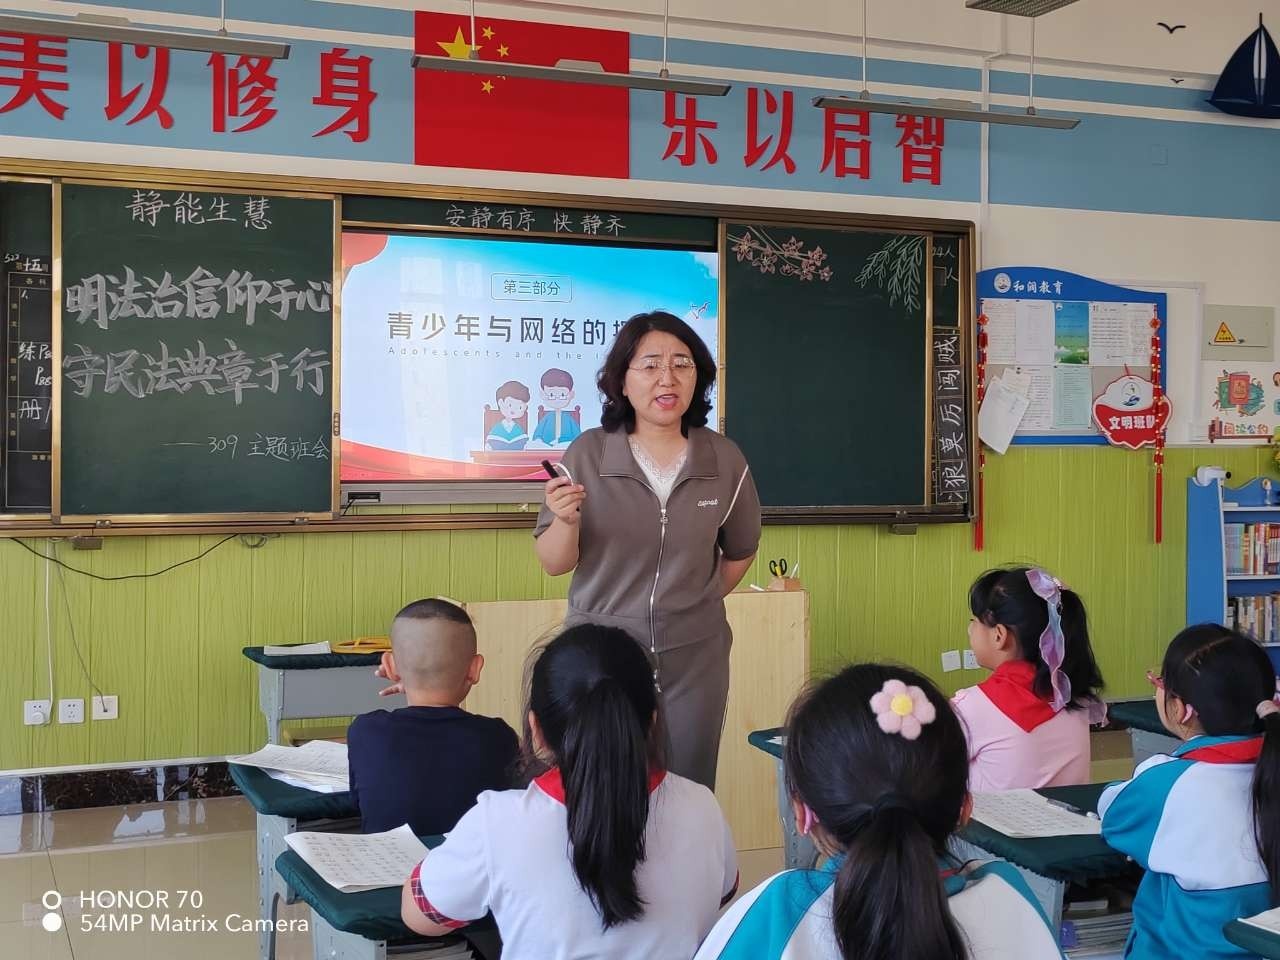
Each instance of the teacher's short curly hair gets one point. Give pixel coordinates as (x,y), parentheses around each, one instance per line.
(616,409)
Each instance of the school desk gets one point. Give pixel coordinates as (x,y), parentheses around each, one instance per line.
(367,925)
(319,685)
(1264,943)
(1146,732)
(797,851)
(1049,864)
(283,809)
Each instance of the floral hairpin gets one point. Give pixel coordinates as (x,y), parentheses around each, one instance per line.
(902,709)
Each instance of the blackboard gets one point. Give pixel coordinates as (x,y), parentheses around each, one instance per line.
(197,352)
(26,349)
(828,347)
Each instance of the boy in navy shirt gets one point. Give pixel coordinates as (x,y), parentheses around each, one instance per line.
(426,763)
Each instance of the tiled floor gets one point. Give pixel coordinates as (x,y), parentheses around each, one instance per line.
(197,845)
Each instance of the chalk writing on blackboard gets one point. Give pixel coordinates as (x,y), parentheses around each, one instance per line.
(149,206)
(26,264)
(233,371)
(268,446)
(28,350)
(951,435)
(203,295)
(524,220)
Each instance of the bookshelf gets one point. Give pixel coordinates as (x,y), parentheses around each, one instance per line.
(1233,558)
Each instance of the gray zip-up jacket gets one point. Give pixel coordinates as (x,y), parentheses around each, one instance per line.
(653,572)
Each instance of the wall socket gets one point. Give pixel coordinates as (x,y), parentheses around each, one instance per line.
(970,660)
(950,661)
(36,713)
(106,707)
(71,711)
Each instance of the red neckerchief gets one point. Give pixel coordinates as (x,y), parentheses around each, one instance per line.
(551,784)
(1237,751)
(1010,689)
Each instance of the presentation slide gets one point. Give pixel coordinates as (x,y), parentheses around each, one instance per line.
(476,359)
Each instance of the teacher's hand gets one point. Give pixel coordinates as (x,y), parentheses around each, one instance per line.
(564,499)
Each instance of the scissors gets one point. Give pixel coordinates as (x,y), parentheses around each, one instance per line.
(778,567)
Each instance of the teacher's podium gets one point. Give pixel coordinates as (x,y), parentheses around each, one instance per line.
(769,663)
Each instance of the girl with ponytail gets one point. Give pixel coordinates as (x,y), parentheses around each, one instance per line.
(605,854)
(1204,820)
(878,774)
(1028,723)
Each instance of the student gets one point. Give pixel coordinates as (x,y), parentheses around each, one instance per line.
(1028,723)
(508,433)
(557,427)
(605,854)
(426,763)
(877,772)
(1203,820)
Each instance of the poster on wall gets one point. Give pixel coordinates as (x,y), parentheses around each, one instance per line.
(1062,341)
(1239,376)
(476,359)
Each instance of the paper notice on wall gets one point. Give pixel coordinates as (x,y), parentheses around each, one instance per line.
(1039,415)
(1120,334)
(1072,398)
(1001,411)
(1001,330)
(1035,325)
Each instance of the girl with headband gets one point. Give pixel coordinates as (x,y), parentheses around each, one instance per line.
(1204,820)
(877,774)
(1027,724)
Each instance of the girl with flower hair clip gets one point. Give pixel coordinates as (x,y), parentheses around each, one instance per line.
(1027,724)
(878,774)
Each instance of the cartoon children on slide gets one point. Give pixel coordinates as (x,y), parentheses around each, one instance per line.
(557,426)
(509,433)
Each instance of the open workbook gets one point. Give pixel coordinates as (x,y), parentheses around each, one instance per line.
(1268,920)
(316,765)
(1025,813)
(352,862)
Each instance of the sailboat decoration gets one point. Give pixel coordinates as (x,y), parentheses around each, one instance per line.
(1250,82)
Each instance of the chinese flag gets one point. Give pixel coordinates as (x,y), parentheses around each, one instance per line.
(537,126)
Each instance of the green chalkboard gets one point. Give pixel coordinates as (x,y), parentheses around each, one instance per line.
(26,347)
(197,352)
(826,349)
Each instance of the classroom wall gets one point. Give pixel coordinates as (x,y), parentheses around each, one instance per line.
(1155,186)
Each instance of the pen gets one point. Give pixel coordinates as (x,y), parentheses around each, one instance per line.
(1071,808)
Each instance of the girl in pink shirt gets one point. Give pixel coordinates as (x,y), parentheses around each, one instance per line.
(1028,723)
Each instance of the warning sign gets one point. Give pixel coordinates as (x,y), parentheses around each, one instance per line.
(1234,335)
(1224,334)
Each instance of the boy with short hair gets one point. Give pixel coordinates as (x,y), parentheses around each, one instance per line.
(426,763)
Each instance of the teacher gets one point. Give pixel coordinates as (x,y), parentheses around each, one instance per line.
(658,518)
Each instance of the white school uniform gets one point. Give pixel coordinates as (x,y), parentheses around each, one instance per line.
(510,855)
(788,917)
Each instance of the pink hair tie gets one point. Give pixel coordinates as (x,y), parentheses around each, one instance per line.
(1266,708)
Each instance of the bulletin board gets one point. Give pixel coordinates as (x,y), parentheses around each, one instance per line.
(1073,336)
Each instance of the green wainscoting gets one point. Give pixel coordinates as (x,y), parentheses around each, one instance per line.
(169,646)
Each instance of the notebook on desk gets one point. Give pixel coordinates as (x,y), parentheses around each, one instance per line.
(354,862)
(1025,813)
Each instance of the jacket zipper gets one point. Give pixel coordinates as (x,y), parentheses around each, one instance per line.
(653,595)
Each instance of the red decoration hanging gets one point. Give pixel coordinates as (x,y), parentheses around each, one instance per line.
(1158,392)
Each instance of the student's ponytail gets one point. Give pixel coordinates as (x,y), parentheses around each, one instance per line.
(1230,682)
(605,769)
(888,804)
(592,693)
(1266,800)
(888,902)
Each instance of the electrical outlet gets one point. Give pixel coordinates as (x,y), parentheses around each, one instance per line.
(970,660)
(950,661)
(36,713)
(106,707)
(71,711)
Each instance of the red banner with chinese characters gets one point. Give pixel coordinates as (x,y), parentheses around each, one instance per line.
(508,123)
